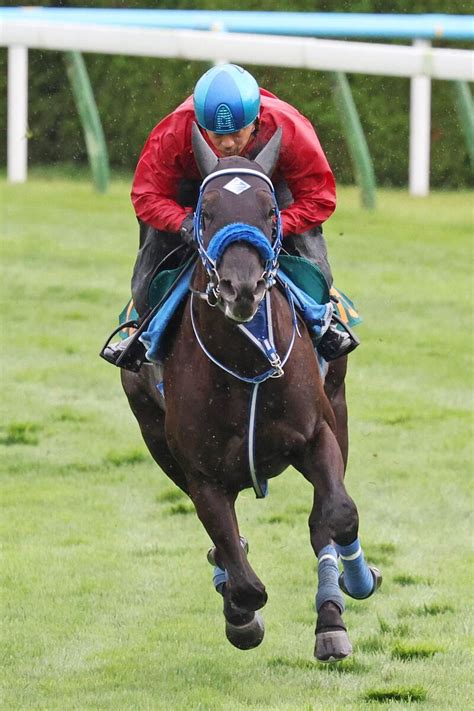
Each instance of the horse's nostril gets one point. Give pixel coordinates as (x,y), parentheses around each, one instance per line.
(227,291)
(253,291)
(260,290)
(246,293)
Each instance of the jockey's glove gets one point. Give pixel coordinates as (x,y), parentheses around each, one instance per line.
(186,231)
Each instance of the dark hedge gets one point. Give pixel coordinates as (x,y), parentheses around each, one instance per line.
(134,93)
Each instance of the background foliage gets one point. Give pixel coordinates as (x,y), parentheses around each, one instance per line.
(133,94)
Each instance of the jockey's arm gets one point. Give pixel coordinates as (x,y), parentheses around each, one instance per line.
(155,184)
(309,178)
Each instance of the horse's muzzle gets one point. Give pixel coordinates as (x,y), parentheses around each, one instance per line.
(240,300)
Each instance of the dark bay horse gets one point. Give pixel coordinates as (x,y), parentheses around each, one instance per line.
(236,414)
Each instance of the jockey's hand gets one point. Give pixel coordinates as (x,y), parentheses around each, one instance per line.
(187,230)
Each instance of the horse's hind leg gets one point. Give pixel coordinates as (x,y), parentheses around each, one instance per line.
(333,524)
(335,388)
(140,389)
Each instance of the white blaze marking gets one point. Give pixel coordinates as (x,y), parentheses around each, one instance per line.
(237,186)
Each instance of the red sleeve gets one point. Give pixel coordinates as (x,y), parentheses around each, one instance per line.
(159,170)
(305,168)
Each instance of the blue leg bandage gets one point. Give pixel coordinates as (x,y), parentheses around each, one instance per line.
(358,579)
(328,575)
(219,578)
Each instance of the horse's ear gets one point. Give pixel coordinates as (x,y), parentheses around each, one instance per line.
(268,156)
(204,156)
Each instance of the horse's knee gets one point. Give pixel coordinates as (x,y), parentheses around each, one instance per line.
(347,522)
(342,518)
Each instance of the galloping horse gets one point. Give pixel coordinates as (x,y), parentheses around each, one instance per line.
(237,413)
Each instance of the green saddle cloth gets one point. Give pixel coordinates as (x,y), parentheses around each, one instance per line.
(303,274)
(308,277)
(158,290)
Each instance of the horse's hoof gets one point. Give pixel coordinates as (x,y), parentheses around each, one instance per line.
(211,553)
(246,636)
(332,646)
(376,575)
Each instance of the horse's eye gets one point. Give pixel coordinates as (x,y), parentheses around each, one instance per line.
(272,212)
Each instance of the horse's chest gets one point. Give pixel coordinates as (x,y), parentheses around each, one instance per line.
(234,425)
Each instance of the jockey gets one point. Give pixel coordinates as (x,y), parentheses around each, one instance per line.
(236,117)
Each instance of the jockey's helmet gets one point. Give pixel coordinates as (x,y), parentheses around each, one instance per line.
(226,99)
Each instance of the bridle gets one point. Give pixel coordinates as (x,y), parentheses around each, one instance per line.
(269,251)
(218,243)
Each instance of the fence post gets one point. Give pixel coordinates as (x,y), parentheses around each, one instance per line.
(17,141)
(420,130)
(89,115)
(358,149)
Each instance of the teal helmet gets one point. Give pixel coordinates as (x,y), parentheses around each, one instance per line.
(226,99)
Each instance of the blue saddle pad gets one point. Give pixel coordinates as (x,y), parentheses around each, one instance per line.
(153,338)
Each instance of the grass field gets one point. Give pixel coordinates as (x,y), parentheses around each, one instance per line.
(107,599)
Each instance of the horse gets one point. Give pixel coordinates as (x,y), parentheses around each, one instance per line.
(278,411)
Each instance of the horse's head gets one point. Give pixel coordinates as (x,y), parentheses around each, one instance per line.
(237,226)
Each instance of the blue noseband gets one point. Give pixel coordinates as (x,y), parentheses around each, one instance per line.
(240,232)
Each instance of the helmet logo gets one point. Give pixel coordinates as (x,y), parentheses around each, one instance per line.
(224,121)
(237,186)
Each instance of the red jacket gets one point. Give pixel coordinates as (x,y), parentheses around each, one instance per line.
(167,157)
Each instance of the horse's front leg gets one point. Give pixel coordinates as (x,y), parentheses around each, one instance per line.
(241,589)
(334,524)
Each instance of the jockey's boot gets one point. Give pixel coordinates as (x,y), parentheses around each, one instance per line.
(335,343)
(128,354)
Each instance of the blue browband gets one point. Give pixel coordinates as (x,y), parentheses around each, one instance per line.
(236,232)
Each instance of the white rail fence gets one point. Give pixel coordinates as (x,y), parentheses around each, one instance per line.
(420,62)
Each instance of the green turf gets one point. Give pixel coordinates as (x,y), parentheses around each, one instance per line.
(107,600)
